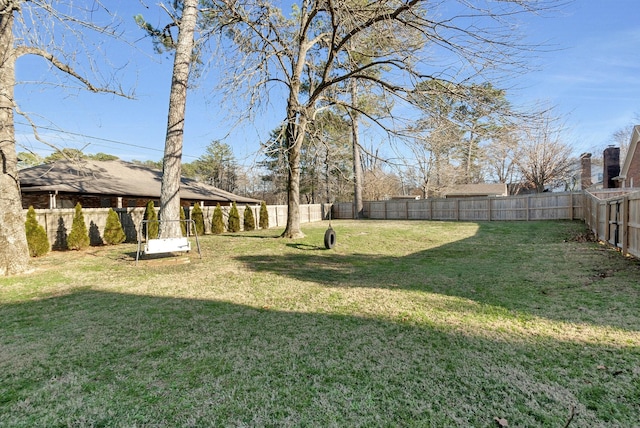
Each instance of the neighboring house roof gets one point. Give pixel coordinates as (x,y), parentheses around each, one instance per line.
(631,153)
(482,189)
(114,178)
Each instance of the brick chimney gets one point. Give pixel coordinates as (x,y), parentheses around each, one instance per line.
(585,171)
(611,167)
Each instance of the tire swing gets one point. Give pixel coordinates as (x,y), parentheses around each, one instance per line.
(329,238)
(329,235)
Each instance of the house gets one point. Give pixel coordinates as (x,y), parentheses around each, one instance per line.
(629,176)
(114,184)
(476,190)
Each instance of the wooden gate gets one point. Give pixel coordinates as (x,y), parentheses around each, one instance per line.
(615,222)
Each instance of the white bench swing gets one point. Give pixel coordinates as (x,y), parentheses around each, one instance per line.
(166,245)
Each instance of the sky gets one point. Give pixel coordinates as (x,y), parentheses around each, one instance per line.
(589,71)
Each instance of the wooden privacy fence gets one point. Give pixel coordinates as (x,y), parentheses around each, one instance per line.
(57,222)
(614,217)
(545,206)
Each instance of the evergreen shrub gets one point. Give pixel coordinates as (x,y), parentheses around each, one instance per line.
(183,223)
(217,221)
(151,228)
(234,219)
(249,220)
(264,216)
(37,239)
(198,219)
(113,231)
(79,236)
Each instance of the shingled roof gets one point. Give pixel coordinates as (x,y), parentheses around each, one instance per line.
(114,178)
(481,189)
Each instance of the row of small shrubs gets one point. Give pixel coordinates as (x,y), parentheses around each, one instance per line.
(78,238)
(217,221)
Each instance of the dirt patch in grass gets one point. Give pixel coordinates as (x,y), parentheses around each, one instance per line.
(584,236)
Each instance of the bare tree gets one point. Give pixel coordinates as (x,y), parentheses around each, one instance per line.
(501,157)
(14,254)
(543,158)
(29,28)
(306,51)
(622,136)
(381,184)
(478,116)
(436,135)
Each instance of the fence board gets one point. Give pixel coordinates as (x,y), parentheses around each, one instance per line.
(552,206)
(633,225)
(616,219)
(510,208)
(419,210)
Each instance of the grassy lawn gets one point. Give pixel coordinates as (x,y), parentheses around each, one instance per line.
(401,324)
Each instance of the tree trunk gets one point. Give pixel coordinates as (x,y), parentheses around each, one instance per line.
(172,166)
(357,163)
(14,252)
(294,137)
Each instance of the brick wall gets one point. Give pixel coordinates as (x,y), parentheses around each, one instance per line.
(633,174)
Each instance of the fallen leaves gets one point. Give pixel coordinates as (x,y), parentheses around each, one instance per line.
(502,422)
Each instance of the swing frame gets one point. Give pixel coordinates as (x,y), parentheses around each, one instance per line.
(165,245)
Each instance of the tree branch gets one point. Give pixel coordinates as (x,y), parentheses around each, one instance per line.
(36,134)
(65,68)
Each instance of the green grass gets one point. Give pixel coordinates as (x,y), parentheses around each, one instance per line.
(401,324)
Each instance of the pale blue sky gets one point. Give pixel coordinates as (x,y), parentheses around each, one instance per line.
(591,72)
(594,78)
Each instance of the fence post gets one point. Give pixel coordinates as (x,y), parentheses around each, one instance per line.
(625,224)
(571,207)
(607,220)
(597,224)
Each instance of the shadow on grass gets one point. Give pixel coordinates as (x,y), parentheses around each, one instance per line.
(249,235)
(95,358)
(524,271)
(306,247)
